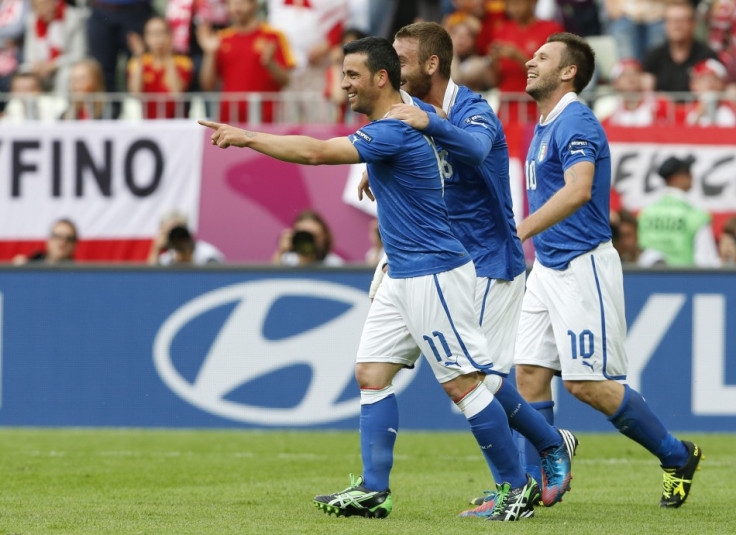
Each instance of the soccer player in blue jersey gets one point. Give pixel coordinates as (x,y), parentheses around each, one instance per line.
(425,304)
(475,166)
(572,319)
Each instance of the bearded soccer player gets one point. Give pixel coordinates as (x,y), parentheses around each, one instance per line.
(425,304)
(572,318)
(475,168)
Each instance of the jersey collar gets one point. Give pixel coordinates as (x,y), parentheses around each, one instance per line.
(406,97)
(450,95)
(566,99)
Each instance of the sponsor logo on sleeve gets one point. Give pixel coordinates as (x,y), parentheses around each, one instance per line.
(479,120)
(577,147)
(362,135)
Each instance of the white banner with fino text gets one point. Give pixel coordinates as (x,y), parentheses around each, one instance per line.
(113,179)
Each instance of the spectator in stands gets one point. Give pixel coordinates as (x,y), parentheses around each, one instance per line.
(333,75)
(515,42)
(13,14)
(722,35)
(308,241)
(22,105)
(248,56)
(637,26)
(727,243)
(468,67)
(707,82)
(667,65)
(182,249)
(184,17)
(86,83)
(311,28)
(60,246)
(174,244)
(625,237)
(580,17)
(155,69)
(55,39)
(675,227)
(387,16)
(631,105)
(490,15)
(108,26)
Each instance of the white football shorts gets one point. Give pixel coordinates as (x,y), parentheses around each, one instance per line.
(573,320)
(432,315)
(498,304)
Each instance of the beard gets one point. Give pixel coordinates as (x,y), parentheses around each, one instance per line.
(419,86)
(542,90)
(544,87)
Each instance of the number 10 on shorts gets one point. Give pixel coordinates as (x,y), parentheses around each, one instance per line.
(582,344)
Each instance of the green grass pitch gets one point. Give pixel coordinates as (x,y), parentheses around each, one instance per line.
(101,481)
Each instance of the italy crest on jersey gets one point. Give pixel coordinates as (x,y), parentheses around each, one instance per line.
(542,151)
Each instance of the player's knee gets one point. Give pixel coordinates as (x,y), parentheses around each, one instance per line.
(459,386)
(532,383)
(585,391)
(373,375)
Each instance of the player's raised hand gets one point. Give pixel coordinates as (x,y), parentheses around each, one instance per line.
(226,135)
(411,115)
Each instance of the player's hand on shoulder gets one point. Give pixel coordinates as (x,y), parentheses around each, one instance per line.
(411,115)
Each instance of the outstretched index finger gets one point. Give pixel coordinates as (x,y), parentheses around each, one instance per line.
(210,124)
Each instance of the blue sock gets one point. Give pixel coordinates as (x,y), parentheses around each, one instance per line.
(526,420)
(528,453)
(379,426)
(490,428)
(636,420)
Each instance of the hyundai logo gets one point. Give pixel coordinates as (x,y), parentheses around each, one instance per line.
(241,351)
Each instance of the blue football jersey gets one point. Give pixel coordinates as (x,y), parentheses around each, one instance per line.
(403,169)
(572,135)
(475,158)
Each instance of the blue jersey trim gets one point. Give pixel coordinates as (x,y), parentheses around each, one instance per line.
(454,330)
(603,322)
(483,305)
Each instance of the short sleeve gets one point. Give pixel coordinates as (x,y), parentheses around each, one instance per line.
(379,140)
(579,144)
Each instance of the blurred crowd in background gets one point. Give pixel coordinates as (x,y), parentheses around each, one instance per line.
(660,62)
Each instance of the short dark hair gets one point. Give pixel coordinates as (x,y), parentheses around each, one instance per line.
(433,41)
(180,239)
(579,53)
(313,215)
(380,55)
(68,222)
(674,166)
